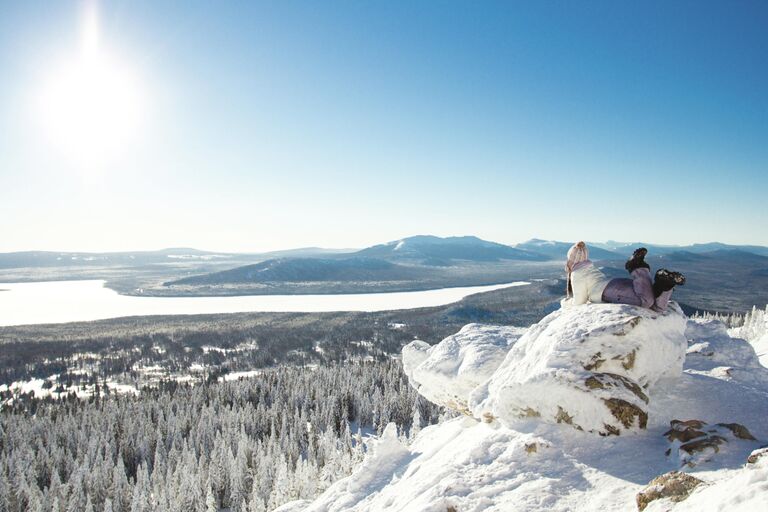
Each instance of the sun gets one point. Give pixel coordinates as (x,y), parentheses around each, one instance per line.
(91,106)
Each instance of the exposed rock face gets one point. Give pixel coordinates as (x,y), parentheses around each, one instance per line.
(673,485)
(739,431)
(446,373)
(591,367)
(694,441)
(760,453)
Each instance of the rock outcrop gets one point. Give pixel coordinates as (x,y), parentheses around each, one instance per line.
(674,486)
(591,367)
(760,453)
(694,441)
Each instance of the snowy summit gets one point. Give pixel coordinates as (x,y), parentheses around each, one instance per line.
(607,407)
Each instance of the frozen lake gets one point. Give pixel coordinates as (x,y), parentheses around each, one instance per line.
(75,301)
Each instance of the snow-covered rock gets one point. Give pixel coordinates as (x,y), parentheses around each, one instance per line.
(742,490)
(591,367)
(673,486)
(446,373)
(694,441)
(465,464)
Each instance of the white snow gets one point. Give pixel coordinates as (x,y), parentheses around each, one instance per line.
(761,347)
(446,373)
(469,465)
(239,375)
(36,386)
(755,331)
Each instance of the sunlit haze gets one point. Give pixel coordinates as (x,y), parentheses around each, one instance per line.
(90,106)
(258,126)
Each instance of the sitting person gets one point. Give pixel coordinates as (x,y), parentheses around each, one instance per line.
(588,284)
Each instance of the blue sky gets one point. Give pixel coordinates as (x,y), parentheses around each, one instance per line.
(344,124)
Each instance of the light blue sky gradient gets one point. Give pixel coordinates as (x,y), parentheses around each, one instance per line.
(344,124)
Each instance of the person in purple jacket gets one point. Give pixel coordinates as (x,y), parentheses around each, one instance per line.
(588,284)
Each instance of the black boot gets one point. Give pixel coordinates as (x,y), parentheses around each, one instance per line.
(637,260)
(666,280)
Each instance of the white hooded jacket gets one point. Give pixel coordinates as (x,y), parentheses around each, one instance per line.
(588,284)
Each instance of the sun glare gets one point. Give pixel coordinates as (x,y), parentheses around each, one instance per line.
(91,105)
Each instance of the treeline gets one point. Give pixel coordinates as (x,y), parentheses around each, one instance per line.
(248,445)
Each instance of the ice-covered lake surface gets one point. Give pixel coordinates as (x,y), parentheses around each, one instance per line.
(75,301)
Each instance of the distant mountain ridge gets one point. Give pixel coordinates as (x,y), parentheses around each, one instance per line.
(436,251)
(131,258)
(720,277)
(424,257)
(420,249)
(34,259)
(557,250)
(622,247)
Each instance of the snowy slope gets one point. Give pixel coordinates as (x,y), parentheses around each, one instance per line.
(755,331)
(529,464)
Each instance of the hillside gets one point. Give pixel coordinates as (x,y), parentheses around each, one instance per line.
(414,263)
(551,429)
(722,280)
(309,269)
(436,251)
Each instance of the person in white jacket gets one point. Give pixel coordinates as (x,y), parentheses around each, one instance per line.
(586,283)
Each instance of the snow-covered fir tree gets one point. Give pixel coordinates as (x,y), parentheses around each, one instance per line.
(247,446)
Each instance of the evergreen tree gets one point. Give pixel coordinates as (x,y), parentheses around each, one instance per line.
(415,422)
(210,501)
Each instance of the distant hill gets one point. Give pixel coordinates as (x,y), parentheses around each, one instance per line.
(720,277)
(308,270)
(719,280)
(37,259)
(623,247)
(558,250)
(306,252)
(419,250)
(90,259)
(436,251)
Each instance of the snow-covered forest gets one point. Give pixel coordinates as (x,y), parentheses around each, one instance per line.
(754,321)
(247,445)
